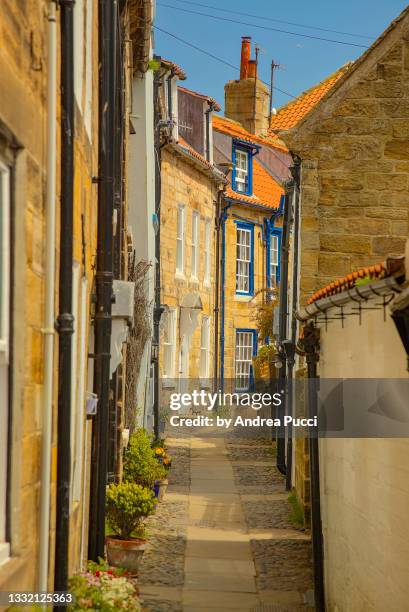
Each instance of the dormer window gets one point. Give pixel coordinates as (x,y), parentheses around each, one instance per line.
(242,170)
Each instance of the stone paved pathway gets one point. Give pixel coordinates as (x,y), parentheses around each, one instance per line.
(222,539)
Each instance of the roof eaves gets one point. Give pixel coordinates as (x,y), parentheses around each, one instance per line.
(197,160)
(211,101)
(250,202)
(169,65)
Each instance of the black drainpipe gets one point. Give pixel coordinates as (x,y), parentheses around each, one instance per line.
(290,351)
(310,346)
(283,314)
(207,121)
(65,319)
(104,276)
(157,311)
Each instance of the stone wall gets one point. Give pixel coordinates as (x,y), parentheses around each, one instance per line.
(355,166)
(240,310)
(184,184)
(23,116)
(247,101)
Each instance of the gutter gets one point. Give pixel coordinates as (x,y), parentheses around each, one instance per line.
(262,207)
(359,293)
(283,315)
(295,170)
(65,321)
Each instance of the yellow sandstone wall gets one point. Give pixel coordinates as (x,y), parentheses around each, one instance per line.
(184,184)
(355,170)
(23,116)
(240,310)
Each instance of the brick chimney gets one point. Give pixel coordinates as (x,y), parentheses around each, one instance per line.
(247,100)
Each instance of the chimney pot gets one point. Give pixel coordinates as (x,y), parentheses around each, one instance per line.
(252,69)
(245,56)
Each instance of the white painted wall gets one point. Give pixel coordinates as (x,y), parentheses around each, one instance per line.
(142,201)
(365,482)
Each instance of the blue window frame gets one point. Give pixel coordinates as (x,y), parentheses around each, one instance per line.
(242,178)
(273,267)
(244,258)
(245,350)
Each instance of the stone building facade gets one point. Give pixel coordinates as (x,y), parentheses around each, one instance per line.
(189,198)
(23,116)
(251,234)
(24,146)
(355,164)
(190,190)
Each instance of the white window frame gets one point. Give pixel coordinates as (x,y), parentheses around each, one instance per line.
(244,352)
(180,240)
(5,246)
(274,258)
(241,176)
(195,244)
(207,251)
(204,368)
(79,391)
(243,260)
(169,344)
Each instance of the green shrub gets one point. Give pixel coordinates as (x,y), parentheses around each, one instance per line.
(127,504)
(140,463)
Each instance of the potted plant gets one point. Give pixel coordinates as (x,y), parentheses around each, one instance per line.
(140,464)
(128,504)
(102,587)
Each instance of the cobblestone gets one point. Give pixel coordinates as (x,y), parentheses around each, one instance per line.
(283,564)
(163,561)
(258,479)
(268,514)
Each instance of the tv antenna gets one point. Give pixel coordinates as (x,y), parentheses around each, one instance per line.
(274,66)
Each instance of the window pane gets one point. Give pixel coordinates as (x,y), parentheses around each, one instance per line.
(241,170)
(244,359)
(243,259)
(207,252)
(2,252)
(180,239)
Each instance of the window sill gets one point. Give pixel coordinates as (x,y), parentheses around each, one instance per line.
(194,281)
(168,383)
(180,276)
(243,298)
(4,552)
(205,383)
(207,284)
(243,193)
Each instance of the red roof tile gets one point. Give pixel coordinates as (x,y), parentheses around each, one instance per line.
(266,191)
(182,142)
(350,280)
(289,115)
(176,69)
(235,129)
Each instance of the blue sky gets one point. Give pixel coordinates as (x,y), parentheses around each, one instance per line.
(304,61)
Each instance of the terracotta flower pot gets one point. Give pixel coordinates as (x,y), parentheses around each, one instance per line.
(125,553)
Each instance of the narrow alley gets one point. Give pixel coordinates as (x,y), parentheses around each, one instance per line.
(223,538)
